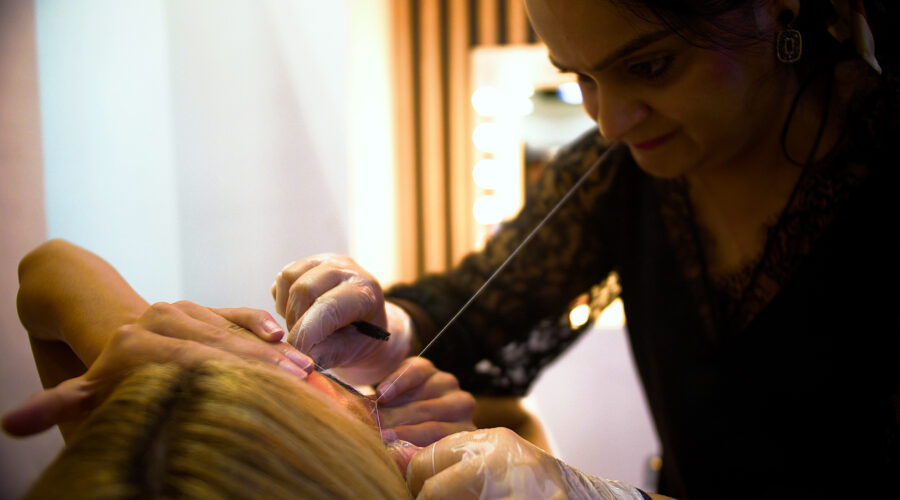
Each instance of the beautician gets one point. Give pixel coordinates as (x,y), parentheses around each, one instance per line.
(749,206)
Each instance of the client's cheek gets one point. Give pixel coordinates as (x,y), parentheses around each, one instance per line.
(402,452)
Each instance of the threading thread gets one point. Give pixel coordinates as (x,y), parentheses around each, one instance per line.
(512,255)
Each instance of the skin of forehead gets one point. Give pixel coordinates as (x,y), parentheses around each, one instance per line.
(597,28)
(351,400)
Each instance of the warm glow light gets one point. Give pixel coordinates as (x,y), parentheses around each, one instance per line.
(492,102)
(613,316)
(488,210)
(570,93)
(521,106)
(487,174)
(488,137)
(521,88)
(579,315)
(487,100)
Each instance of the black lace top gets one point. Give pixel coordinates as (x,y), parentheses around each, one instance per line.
(780,388)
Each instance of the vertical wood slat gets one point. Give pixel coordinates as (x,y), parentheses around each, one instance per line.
(431,129)
(516,22)
(487,22)
(432,78)
(408,238)
(462,196)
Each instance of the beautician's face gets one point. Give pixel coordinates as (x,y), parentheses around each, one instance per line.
(679,108)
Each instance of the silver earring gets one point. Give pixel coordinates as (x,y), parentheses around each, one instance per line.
(788,42)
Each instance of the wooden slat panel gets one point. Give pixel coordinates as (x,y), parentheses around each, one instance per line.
(431,129)
(460,165)
(516,22)
(487,22)
(407,231)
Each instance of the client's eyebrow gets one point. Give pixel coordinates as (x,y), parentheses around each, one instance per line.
(348,387)
(630,47)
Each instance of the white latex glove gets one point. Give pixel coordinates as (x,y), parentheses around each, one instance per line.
(497,463)
(420,404)
(320,296)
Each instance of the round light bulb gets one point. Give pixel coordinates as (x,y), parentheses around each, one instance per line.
(579,315)
(488,137)
(486,100)
(487,210)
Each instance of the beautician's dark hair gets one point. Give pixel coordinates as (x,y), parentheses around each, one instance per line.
(704,22)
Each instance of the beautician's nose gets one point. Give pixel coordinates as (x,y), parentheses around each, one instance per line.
(616,110)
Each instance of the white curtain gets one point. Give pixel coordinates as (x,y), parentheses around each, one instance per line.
(199,146)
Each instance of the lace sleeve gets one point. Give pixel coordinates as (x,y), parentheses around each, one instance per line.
(513,329)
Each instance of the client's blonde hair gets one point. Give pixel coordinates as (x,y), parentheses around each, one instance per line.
(222,430)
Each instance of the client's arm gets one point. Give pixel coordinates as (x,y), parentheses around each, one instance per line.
(76,307)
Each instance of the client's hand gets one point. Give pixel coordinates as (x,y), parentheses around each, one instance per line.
(320,296)
(183,333)
(421,404)
(497,463)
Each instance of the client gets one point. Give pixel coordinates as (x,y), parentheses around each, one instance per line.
(89,329)
(224,429)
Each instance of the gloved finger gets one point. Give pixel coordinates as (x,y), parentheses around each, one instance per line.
(426,433)
(411,373)
(451,407)
(401,452)
(189,321)
(286,277)
(488,447)
(434,387)
(462,480)
(334,309)
(432,460)
(343,347)
(257,321)
(65,402)
(313,284)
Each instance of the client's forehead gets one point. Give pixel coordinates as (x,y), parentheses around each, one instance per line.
(349,388)
(345,396)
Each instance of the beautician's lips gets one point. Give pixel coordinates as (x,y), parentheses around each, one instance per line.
(654,143)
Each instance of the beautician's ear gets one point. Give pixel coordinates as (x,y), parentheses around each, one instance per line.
(775,9)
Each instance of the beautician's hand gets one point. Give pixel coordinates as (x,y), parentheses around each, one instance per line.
(320,296)
(497,463)
(421,404)
(182,333)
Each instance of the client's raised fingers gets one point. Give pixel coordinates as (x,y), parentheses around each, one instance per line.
(255,320)
(127,349)
(189,321)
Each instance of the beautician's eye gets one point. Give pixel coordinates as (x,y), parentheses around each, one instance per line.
(651,69)
(584,79)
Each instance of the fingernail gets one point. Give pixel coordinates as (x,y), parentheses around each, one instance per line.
(272,327)
(294,369)
(300,360)
(388,435)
